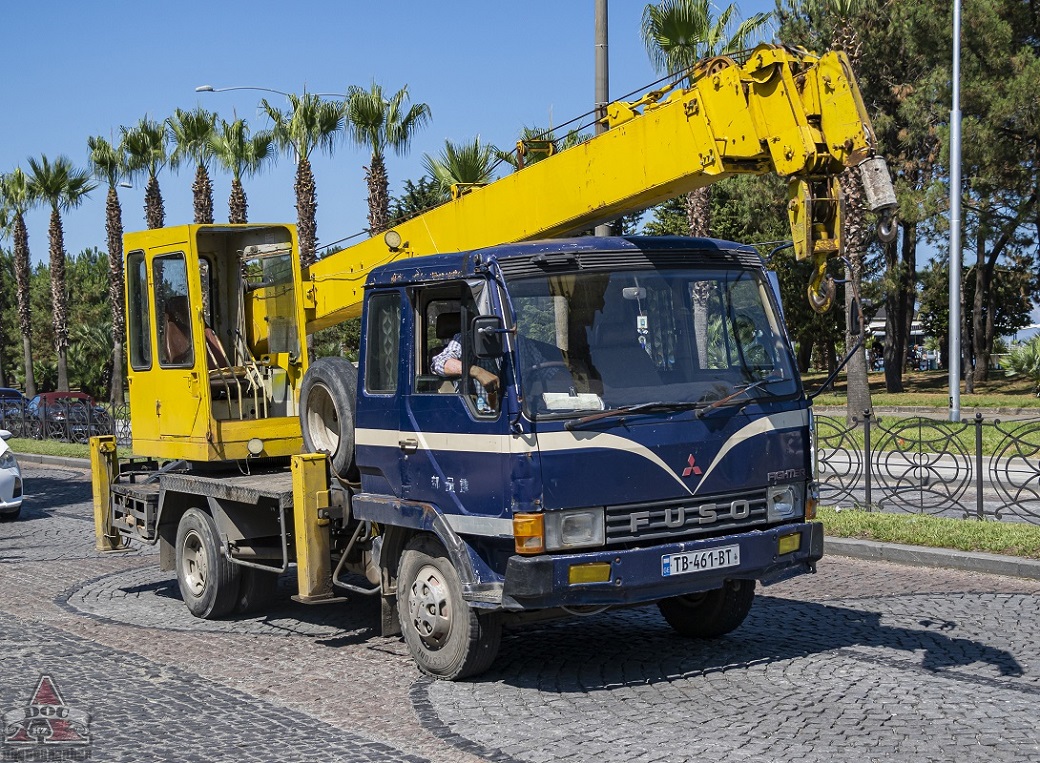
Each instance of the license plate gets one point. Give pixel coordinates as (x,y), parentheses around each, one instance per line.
(699,561)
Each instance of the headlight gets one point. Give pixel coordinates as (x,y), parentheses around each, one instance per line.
(784,502)
(7,461)
(574,529)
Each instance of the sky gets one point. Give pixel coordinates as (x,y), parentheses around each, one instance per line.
(72,70)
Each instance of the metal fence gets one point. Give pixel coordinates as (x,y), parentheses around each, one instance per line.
(65,420)
(979,468)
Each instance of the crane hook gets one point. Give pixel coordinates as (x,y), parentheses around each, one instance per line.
(821,286)
(886,228)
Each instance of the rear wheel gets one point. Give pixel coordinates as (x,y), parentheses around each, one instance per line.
(446,637)
(208,580)
(11,516)
(712,613)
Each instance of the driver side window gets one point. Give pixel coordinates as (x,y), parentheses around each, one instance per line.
(447,362)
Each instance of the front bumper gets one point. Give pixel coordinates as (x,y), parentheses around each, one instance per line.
(10,492)
(541,582)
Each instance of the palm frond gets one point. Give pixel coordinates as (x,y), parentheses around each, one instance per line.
(191,132)
(107,162)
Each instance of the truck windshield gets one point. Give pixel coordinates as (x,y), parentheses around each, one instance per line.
(598,341)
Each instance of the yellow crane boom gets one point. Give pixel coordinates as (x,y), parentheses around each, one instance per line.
(783,111)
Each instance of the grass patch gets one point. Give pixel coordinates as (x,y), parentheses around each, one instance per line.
(930,389)
(49,447)
(993,537)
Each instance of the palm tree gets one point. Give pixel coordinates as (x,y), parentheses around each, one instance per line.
(64,187)
(855,230)
(191,132)
(145,147)
(6,229)
(677,34)
(309,124)
(378,123)
(462,164)
(16,197)
(108,164)
(242,155)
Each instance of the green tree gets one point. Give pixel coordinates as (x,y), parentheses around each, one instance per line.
(192,133)
(16,197)
(243,155)
(108,164)
(63,187)
(378,123)
(417,197)
(145,147)
(91,359)
(309,124)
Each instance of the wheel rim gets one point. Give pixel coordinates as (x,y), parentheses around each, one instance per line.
(429,607)
(194,563)
(323,419)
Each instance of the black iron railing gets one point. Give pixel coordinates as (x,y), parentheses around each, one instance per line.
(65,420)
(978,468)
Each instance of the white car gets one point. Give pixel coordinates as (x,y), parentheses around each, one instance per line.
(10,481)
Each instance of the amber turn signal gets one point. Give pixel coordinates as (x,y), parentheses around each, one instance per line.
(529,533)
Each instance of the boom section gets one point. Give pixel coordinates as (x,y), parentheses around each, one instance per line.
(783,111)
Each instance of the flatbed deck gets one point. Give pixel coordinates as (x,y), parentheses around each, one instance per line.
(230,486)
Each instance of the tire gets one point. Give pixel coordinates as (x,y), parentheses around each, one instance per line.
(710,614)
(447,638)
(209,582)
(257,592)
(11,516)
(328,400)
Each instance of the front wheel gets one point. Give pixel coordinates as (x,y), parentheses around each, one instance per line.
(446,637)
(208,580)
(712,613)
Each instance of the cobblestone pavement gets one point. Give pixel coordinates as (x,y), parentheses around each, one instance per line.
(865,661)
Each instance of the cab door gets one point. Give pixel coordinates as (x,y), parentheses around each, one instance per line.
(163,315)
(454,436)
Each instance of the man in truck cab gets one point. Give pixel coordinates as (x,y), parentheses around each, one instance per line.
(448,363)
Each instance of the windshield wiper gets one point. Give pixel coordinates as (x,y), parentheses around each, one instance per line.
(657,406)
(737,392)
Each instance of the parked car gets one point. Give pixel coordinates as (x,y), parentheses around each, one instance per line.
(10,481)
(68,416)
(12,411)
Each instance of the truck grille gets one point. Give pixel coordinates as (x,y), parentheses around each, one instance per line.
(689,518)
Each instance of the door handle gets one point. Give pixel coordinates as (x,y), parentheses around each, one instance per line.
(409,444)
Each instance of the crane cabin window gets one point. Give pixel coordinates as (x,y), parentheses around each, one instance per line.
(138,329)
(172,311)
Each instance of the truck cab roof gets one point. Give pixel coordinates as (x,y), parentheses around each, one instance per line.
(621,251)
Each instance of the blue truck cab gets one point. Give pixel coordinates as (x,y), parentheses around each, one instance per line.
(622,424)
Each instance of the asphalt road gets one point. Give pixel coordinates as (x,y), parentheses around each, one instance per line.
(865,661)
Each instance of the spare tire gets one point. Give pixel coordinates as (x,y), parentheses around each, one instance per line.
(328,400)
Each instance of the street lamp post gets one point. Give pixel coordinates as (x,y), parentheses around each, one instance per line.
(211,89)
(956,256)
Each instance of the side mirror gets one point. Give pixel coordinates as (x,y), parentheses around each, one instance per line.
(5,435)
(487,331)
